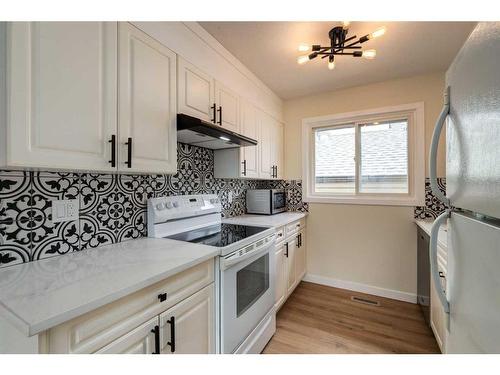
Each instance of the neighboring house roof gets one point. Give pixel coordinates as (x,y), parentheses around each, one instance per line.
(384,152)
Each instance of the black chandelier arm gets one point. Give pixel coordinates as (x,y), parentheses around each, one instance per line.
(326,54)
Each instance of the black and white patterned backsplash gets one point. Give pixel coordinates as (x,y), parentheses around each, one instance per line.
(112,207)
(433,206)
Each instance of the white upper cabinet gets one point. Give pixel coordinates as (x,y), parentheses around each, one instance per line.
(277,150)
(228,107)
(266,132)
(61,95)
(195,95)
(249,128)
(147,104)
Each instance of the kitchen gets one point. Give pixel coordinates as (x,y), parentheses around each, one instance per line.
(164,189)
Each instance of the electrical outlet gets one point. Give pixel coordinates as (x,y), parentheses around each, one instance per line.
(65,210)
(230,196)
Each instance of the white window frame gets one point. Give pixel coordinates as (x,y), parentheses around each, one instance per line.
(414,112)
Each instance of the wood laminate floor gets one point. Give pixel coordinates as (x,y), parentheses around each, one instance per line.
(321,319)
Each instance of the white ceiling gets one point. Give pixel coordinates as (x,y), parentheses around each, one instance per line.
(269,49)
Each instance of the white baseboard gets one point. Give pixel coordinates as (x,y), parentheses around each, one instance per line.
(362,288)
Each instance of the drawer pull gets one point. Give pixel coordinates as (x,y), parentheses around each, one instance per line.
(162,297)
(171,343)
(156,331)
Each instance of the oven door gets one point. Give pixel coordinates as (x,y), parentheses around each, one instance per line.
(247,291)
(278,201)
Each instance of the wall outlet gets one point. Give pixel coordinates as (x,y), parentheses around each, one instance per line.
(65,210)
(230,196)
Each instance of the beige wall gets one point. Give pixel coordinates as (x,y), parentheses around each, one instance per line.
(373,245)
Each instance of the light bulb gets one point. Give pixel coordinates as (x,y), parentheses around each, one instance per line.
(303,59)
(345,25)
(377,33)
(331,65)
(369,54)
(303,48)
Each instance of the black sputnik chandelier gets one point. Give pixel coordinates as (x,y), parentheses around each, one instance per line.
(340,45)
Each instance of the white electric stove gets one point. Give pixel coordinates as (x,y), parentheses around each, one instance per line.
(245,266)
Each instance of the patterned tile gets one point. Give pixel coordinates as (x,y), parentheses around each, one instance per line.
(112,207)
(15,218)
(433,206)
(49,238)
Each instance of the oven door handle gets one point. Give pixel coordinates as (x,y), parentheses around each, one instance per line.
(231,260)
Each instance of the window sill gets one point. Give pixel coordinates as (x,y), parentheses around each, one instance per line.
(369,201)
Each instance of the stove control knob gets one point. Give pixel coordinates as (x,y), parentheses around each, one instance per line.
(160,206)
(169,205)
(176,204)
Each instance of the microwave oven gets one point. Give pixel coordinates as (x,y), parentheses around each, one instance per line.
(266,201)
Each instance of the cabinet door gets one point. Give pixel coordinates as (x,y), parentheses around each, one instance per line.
(438,315)
(266,132)
(138,341)
(195,91)
(281,288)
(62,94)
(250,128)
(147,103)
(290,265)
(277,149)
(188,327)
(300,256)
(228,106)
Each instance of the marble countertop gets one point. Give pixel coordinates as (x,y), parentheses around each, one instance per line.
(276,220)
(442,235)
(39,295)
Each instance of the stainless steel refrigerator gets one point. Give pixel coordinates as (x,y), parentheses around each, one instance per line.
(472,117)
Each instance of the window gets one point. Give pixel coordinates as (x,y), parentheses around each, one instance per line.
(368,157)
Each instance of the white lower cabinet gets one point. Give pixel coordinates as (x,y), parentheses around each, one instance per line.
(139,341)
(187,328)
(290,261)
(439,318)
(290,252)
(300,256)
(281,290)
(128,324)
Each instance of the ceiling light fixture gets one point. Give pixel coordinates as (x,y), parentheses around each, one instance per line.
(341,45)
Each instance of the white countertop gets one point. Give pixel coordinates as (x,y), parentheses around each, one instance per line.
(39,295)
(275,221)
(442,235)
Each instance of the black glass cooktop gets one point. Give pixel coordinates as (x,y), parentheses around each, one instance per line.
(218,235)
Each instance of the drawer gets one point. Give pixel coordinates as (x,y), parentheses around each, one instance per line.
(295,227)
(280,234)
(92,331)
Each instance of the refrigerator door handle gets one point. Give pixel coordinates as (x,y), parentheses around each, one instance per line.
(434,146)
(433,258)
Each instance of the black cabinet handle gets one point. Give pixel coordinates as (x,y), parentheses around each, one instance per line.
(213,109)
(441,274)
(113,150)
(162,297)
(129,153)
(220,115)
(156,331)
(286,249)
(244,162)
(171,343)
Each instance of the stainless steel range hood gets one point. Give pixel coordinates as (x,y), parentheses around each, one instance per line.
(196,132)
